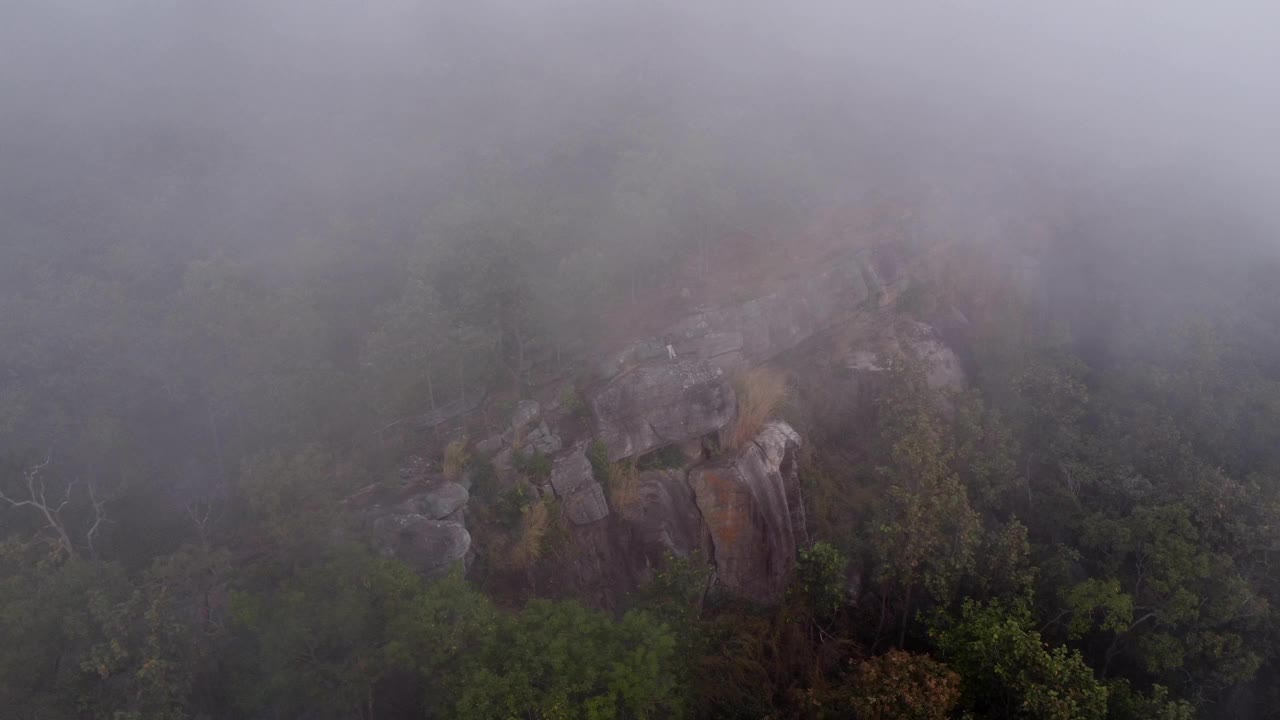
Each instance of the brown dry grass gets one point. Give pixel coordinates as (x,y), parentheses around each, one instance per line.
(761,391)
(624,488)
(456,459)
(528,544)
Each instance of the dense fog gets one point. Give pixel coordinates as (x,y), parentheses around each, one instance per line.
(244,125)
(273,271)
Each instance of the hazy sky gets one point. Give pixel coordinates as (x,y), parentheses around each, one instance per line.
(242,119)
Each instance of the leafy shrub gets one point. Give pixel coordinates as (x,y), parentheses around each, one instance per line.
(483,475)
(510,505)
(820,575)
(664,458)
(534,465)
(572,402)
(598,456)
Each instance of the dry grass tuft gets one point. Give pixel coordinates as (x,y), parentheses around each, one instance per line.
(761,391)
(624,488)
(528,545)
(456,459)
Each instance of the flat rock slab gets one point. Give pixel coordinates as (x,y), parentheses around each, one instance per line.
(661,403)
(587,504)
(439,501)
(571,471)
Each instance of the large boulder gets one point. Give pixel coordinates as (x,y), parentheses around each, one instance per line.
(661,403)
(571,471)
(751,505)
(416,517)
(437,501)
(429,546)
(574,483)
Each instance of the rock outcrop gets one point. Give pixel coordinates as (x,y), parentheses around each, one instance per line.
(419,518)
(940,363)
(755,331)
(429,546)
(665,516)
(834,330)
(749,333)
(661,403)
(751,505)
(573,482)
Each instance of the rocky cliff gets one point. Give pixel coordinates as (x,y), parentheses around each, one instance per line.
(588,448)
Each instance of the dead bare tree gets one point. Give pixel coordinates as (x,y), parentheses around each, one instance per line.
(36,498)
(205,512)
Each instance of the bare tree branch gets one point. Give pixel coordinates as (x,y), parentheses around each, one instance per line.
(99,515)
(33,478)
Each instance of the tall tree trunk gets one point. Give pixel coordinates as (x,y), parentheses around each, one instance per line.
(906,616)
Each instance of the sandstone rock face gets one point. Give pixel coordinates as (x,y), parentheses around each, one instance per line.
(587,504)
(751,505)
(942,365)
(869,351)
(738,336)
(661,403)
(665,516)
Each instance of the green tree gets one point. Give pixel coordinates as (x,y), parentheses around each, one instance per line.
(820,576)
(923,532)
(901,686)
(54,618)
(1006,671)
(561,661)
(319,644)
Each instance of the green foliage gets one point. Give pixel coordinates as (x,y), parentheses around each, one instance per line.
(820,574)
(922,532)
(318,644)
(1124,703)
(1176,607)
(598,456)
(674,595)
(57,654)
(511,505)
(534,465)
(1006,671)
(572,402)
(1098,603)
(668,457)
(563,661)
(1004,570)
